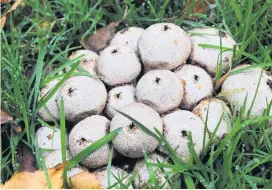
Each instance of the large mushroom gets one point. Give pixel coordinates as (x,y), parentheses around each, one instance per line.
(198,84)
(164,46)
(83,96)
(244,85)
(209,57)
(132,141)
(160,89)
(177,126)
(84,134)
(118,64)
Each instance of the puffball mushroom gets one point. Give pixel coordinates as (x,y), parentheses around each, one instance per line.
(164,46)
(52,104)
(210,111)
(142,178)
(197,83)
(83,96)
(48,138)
(160,89)
(88,61)
(128,36)
(243,85)
(55,158)
(210,57)
(132,141)
(115,172)
(118,64)
(119,97)
(84,134)
(177,126)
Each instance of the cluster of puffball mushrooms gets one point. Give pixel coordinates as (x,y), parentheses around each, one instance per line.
(163,78)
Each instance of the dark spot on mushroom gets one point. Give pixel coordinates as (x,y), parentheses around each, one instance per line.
(70,91)
(123,31)
(222,34)
(196,77)
(226,59)
(126,42)
(184,133)
(269,83)
(49,136)
(132,126)
(118,95)
(81,141)
(114,51)
(166,27)
(157,80)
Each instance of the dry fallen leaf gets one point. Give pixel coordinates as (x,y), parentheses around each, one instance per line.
(5,117)
(36,180)
(102,37)
(200,7)
(85,180)
(13,7)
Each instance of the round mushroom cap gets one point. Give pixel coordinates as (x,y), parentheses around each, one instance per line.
(118,64)
(177,126)
(88,61)
(164,46)
(83,96)
(55,158)
(243,85)
(119,97)
(160,89)
(128,36)
(214,109)
(198,84)
(49,138)
(52,104)
(84,134)
(132,141)
(115,172)
(142,179)
(209,57)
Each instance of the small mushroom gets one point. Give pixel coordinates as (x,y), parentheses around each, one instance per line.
(238,87)
(112,181)
(55,158)
(88,61)
(83,96)
(119,97)
(52,104)
(160,89)
(209,57)
(118,64)
(84,134)
(198,84)
(164,46)
(177,126)
(142,179)
(48,138)
(132,141)
(210,111)
(128,36)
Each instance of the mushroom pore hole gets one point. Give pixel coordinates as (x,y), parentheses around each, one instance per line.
(196,77)
(184,133)
(269,83)
(132,126)
(166,27)
(81,141)
(118,95)
(114,51)
(157,80)
(221,34)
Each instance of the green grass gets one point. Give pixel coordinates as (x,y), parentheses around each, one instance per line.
(39,36)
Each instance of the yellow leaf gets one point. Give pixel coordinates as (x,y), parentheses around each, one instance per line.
(36,180)
(84,180)
(13,7)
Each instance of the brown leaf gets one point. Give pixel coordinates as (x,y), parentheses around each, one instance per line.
(25,158)
(219,83)
(5,1)
(12,8)
(36,180)
(85,180)
(199,7)
(5,117)
(102,37)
